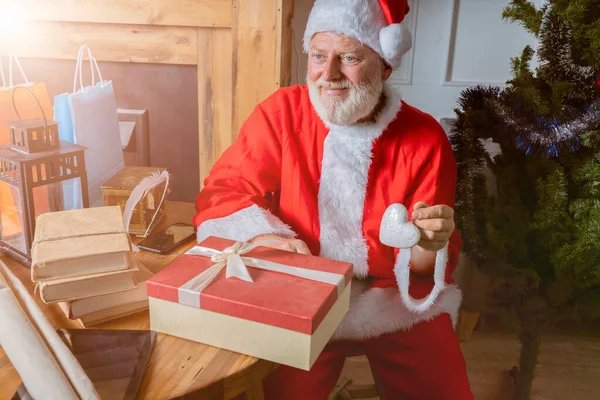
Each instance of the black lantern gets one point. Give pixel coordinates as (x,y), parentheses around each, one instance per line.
(38,174)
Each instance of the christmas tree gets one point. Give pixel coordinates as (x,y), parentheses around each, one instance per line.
(530,216)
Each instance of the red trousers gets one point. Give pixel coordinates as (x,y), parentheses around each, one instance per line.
(424,363)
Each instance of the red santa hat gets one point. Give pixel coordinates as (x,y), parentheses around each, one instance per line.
(375,23)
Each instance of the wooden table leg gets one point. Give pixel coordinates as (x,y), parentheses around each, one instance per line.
(255,392)
(339,387)
(466,324)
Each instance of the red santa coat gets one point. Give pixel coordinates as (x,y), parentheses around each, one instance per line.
(290,173)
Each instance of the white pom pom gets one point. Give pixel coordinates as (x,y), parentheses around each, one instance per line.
(395,41)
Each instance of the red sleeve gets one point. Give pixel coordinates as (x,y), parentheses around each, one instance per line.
(234,202)
(434,182)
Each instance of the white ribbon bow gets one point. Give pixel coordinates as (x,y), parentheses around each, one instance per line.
(236,266)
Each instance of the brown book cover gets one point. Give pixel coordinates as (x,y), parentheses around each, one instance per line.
(79,242)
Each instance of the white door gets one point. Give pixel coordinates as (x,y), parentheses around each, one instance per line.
(457,44)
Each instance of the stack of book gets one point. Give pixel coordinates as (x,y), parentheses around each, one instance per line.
(82,260)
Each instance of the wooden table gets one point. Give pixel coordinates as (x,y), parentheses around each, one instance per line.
(177,367)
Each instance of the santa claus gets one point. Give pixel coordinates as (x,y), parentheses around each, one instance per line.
(316,166)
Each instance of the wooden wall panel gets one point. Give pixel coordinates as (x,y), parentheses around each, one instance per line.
(256,57)
(126,43)
(195,13)
(285,10)
(168,92)
(214,95)
(242,49)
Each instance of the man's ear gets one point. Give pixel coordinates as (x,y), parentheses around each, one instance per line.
(386,71)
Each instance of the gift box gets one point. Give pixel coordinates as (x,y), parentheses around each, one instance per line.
(117,190)
(268,303)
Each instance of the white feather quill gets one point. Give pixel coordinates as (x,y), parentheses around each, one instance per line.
(140,191)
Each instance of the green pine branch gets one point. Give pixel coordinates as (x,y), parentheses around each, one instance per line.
(530,217)
(525,13)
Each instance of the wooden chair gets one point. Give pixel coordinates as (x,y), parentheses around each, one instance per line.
(345,390)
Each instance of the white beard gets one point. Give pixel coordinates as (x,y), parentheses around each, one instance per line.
(359,103)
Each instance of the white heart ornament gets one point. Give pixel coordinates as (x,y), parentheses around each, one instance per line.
(396,231)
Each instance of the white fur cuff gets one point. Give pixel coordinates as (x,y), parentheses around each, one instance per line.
(374,312)
(244,225)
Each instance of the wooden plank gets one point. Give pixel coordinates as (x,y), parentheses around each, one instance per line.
(109,42)
(257,69)
(214,95)
(196,13)
(285,11)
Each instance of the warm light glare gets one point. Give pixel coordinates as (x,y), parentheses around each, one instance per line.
(12,19)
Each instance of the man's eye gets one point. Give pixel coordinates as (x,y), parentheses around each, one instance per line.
(318,56)
(350,59)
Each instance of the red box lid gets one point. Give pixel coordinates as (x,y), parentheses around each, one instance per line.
(273,298)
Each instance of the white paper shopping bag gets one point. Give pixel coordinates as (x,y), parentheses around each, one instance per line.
(96,126)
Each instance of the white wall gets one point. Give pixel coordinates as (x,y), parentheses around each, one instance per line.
(456,44)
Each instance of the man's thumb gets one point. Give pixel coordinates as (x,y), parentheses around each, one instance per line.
(418,205)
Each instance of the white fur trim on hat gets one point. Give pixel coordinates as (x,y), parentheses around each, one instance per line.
(395,41)
(361,20)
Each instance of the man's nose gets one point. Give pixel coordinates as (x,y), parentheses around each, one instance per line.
(332,69)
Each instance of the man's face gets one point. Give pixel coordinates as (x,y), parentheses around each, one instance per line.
(345,78)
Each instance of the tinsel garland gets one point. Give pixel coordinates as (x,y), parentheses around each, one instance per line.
(505,119)
(548,135)
(557,63)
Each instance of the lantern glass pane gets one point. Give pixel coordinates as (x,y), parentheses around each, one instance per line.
(12,226)
(58,196)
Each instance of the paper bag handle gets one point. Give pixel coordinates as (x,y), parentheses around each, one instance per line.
(12,56)
(36,100)
(79,68)
(78,65)
(2,74)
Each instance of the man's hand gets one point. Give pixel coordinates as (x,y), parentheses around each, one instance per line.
(283,243)
(436,224)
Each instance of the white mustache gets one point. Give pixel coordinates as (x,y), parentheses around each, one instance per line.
(333,85)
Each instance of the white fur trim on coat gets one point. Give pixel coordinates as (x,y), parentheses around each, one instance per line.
(244,225)
(374,312)
(345,167)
